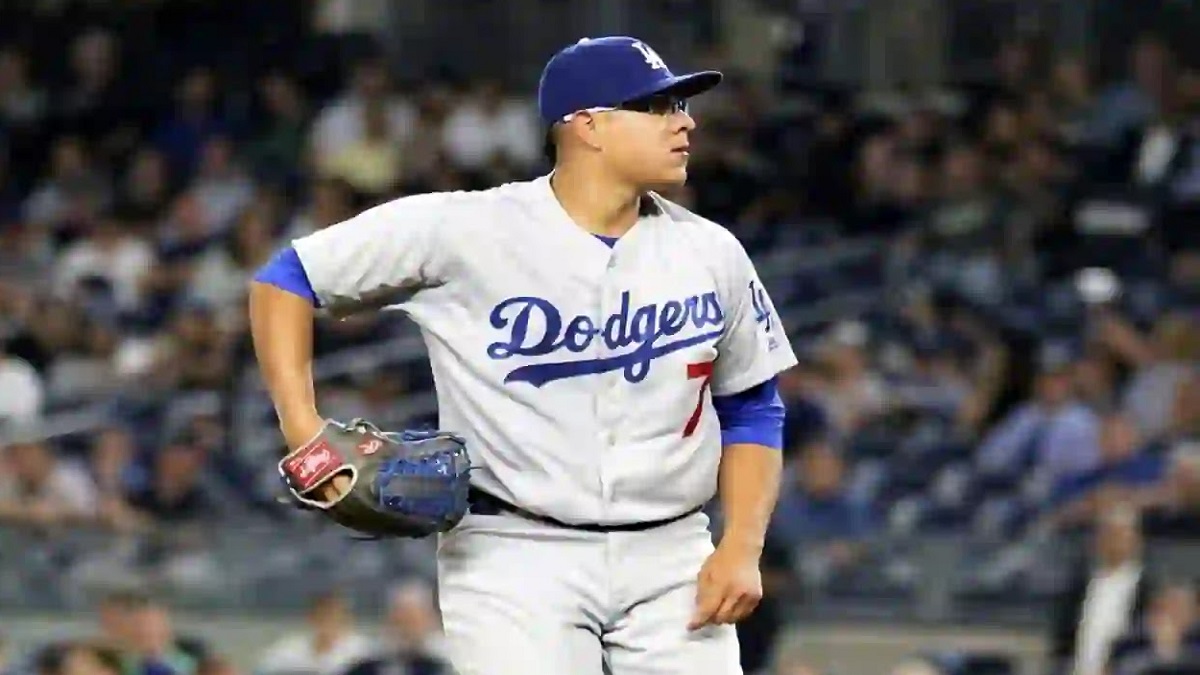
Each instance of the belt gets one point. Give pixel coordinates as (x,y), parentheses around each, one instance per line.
(485,504)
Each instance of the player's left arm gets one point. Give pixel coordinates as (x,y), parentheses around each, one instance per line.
(751,462)
(751,353)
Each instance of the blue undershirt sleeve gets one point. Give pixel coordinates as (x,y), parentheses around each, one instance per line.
(286,272)
(752,416)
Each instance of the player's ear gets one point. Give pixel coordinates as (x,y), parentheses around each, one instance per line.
(587,128)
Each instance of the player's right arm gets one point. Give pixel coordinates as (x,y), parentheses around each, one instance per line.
(281,327)
(381,257)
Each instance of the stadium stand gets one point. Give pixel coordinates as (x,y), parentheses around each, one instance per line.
(995,294)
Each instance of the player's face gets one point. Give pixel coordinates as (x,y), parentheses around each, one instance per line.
(646,141)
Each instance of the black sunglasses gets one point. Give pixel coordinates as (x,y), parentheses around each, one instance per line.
(657,104)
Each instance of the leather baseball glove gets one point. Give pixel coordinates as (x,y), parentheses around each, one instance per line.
(402,484)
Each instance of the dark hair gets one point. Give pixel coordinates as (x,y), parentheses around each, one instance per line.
(127,598)
(550,146)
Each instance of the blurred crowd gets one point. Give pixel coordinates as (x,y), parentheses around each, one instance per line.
(1027,360)
(135,634)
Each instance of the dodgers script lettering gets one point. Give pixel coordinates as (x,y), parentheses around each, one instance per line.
(537,328)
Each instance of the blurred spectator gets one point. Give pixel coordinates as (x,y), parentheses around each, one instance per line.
(891,186)
(132,623)
(108,258)
(79,658)
(1185,417)
(1131,103)
(45,328)
(1127,468)
(184,236)
(221,184)
(1097,380)
(193,354)
(85,368)
(851,393)
(1154,154)
(195,119)
(329,202)
(23,392)
(413,643)
(121,626)
(424,153)
(173,515)
(1108,596)
(277,149)
(220,276)
(965,233)
(816,519)
(22,103)
(114,612)
(116,473)
(936,385)
(1071,95)
(26,252)
(72,192)
(1170,633)
(725,178)
(952,367)
(329,645)
(806,420)
(98,101)
(371,164)
(144,193)
(487,126)
(39,490)
(150,645)
(1053,434)
(342,123)
(1159,363)
(1173,506)
(175,495)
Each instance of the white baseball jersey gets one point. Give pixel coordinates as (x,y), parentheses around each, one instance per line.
(580,375)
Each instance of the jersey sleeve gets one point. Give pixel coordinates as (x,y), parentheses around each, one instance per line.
(383,256)
(754,347)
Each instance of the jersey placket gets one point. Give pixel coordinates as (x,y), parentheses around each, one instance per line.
(609,393)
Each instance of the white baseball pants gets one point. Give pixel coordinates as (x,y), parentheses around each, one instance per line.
(522,598)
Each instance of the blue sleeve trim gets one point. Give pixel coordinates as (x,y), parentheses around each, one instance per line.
(752,416)
(286,272)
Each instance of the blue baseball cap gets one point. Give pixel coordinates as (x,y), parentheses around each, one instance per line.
(606,72)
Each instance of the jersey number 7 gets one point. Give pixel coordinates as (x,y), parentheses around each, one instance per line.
(704,372)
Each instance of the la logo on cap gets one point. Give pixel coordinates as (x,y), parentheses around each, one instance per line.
(652,58)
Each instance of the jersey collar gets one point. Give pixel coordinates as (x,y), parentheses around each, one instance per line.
(551,209)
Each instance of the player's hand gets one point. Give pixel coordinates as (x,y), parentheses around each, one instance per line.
(729,586)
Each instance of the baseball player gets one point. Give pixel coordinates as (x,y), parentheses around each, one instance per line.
(608,357)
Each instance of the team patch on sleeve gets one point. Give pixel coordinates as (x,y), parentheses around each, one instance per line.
(764,314)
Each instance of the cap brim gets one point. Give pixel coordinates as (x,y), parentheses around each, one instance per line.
(685,86)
